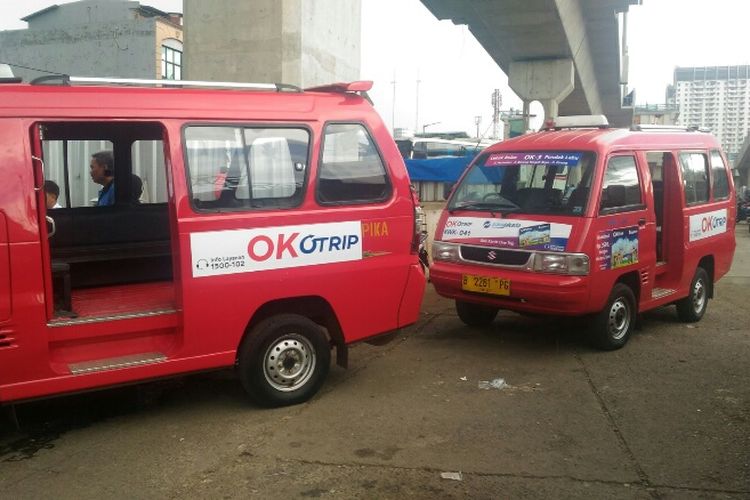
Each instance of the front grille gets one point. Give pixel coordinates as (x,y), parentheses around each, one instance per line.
(494,256)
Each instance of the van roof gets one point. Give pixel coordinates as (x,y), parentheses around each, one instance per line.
(138,102)
(607,139)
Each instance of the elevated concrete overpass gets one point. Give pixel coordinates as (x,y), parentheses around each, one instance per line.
(521,35)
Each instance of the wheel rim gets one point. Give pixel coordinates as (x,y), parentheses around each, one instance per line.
(289,362)
(699,296)
(619,319)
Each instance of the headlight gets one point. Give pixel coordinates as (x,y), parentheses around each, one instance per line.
(446,252)
(577,264)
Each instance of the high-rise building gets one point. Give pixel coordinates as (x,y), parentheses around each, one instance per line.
(716,98)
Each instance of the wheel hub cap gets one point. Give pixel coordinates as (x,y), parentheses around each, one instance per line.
(289,362)
(619,319)
(699,296)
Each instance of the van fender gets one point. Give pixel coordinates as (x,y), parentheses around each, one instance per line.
(315,308)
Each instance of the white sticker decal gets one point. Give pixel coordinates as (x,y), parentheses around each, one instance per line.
(507,233)
(248,250)
(708,224)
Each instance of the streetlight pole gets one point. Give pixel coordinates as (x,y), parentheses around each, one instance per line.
(393,109)
(416,114)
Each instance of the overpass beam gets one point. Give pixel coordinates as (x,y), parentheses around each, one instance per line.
(546,81)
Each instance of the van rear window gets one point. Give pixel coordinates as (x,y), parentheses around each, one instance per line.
(246,168)
(533,182)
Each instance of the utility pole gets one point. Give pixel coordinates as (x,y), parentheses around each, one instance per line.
(497,101)
(393,109)
(416,114)
(477,121)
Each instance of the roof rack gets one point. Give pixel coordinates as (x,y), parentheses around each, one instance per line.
(667,128)
(138,82)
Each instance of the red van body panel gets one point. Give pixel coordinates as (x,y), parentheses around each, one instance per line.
(657,279)
(190,322)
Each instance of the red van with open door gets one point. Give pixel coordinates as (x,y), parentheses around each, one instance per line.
(256,225)
(583,219)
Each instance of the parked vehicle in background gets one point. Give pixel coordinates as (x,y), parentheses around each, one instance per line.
(280,224)
(582,219)
(422,148)
(743,209)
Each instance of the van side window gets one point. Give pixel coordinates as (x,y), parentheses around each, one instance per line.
(67,164)
(621,189)
(148,183)
(694,168)
(246,168)
(719,174)
(351,170)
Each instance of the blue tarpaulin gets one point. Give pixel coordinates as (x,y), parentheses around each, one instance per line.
(446,169)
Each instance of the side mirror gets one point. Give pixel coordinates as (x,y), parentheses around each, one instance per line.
(614,196)
(448,189)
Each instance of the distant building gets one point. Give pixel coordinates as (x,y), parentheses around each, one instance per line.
(114,38)
(655,114)
(716,98)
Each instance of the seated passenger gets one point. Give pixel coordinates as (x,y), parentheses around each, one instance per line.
(102,170)
(136,189)
(52,193)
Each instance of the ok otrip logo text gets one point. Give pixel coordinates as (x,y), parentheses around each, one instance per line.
(262,247)
(708,224)
(241,251)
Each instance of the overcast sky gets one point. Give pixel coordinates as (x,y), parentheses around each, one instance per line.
(402,38)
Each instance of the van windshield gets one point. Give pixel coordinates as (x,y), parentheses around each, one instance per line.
(534,182)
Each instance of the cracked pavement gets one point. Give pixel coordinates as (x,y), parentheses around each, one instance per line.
(668,416)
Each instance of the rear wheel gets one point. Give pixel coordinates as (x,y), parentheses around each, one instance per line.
(475,314)
(693,307)
(284,360)
(613,325)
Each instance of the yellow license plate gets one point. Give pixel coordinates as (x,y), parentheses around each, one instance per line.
(484,284)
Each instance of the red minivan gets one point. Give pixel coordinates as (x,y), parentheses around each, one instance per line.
(582,219)
(192,228)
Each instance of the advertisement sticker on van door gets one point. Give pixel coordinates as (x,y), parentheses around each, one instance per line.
(708,224)
(616,248)
(248,250)
(507,233)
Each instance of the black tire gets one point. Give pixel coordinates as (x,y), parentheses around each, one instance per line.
(284,360)
(614,324)
(475,314)
(693,307)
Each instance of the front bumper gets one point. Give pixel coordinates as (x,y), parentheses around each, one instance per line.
(532,292)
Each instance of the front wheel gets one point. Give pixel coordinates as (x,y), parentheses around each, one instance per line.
(693,307)
(475,314)
(613,325)
(284,360)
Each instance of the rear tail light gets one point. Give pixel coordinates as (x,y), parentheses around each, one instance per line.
(420,223)
(420,230)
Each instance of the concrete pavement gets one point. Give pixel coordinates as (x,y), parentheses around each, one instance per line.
(668,416)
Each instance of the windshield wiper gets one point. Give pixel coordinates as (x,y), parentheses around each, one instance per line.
(483,205)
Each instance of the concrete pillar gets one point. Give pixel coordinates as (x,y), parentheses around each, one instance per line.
(546,81)
(299,42)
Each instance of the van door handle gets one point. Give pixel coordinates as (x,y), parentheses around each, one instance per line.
(642,222)
(53,229)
